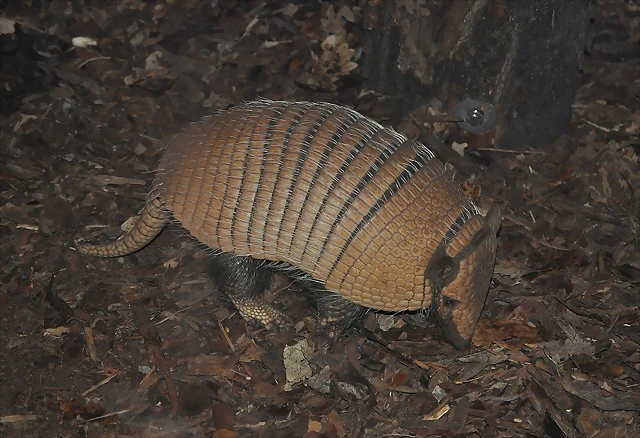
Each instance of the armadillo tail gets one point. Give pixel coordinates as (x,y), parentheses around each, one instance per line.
(151,221)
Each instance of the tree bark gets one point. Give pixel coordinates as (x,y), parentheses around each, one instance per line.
(523,56)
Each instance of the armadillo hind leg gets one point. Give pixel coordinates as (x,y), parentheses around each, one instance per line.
(151,221)
(243,281)
(335,316)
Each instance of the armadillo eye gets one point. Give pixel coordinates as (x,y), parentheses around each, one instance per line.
(449,302)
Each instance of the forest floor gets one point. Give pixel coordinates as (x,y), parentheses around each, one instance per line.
(140,346)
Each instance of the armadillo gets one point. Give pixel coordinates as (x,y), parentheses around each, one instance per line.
(371,217)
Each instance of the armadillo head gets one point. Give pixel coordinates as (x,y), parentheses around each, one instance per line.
(459,274)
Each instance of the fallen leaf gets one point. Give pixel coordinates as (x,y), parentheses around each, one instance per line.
(296,364)
(23,119)
(7,26)
(459,148)
(83,42)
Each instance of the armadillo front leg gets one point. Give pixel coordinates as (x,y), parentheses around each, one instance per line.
(243,281)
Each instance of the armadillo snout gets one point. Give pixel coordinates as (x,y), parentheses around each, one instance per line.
(465,272)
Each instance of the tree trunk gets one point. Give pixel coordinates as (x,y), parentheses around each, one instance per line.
(523,56)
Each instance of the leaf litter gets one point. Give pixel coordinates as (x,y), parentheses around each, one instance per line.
(140,346)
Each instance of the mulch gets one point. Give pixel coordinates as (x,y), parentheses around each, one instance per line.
(143,346)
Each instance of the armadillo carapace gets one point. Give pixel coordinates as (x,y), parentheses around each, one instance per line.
(373,217)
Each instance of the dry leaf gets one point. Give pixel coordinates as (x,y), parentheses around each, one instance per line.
(7,26)
(83,42)
(459,148)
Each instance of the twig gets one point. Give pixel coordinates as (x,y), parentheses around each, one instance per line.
(172,316)
(226,336)
(24,24)
(110,414)
(602,128)
(511,151)
(246,376)
(99,58)
(6,419)
(573,309)
(27,227)
(614,322)
(99,384)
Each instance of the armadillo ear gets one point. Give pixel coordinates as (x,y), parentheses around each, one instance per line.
(493,218)
(444,270)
